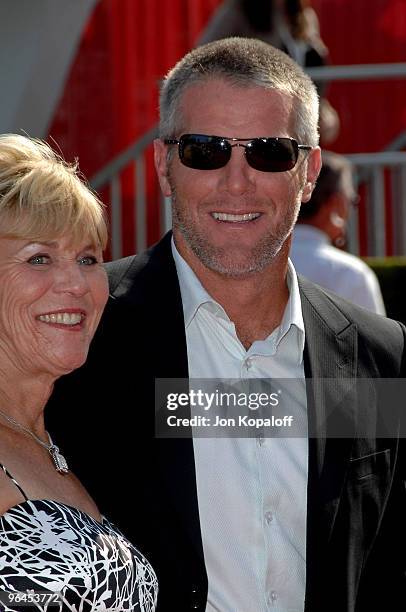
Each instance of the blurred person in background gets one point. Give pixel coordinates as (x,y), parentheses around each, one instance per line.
(289,25)
(322,223)
(53,289)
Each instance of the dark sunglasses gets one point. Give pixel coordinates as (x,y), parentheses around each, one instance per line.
(203,152)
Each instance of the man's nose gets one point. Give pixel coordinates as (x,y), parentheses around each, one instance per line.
(237,176)
(71,278)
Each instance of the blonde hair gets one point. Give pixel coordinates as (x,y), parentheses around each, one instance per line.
(43,197)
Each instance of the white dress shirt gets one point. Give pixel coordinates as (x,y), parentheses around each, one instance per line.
(314,257)
(252,492)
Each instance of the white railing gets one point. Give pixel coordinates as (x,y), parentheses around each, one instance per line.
(358,72)
(133,156)
(370,168)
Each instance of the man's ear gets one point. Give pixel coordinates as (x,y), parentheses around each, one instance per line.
(161,166)
(313,170)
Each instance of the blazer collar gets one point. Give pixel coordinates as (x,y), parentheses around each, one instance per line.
(330,366)
(330,370)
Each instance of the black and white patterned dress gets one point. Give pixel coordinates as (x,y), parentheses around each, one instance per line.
(47,546)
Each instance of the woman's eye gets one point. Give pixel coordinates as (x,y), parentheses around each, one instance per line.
(39,260)
(88,260)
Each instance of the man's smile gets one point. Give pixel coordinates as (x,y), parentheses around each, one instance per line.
(235,218)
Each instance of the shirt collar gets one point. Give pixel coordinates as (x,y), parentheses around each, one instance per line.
(192,291)
(194,295)
(293,316)
(306,232)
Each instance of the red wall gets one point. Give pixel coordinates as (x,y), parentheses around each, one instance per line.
(111,94)
(366,32)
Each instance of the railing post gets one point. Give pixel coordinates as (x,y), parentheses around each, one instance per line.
(140,205)
(166,214)
(116,220)
(353,232)
(376,214)
(399,209)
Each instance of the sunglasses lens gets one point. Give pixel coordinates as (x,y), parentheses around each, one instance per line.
(272,154)
(204,152)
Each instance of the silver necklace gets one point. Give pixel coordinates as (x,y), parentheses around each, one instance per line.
(58,459)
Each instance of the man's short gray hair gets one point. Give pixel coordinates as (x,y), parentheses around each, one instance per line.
(243,62)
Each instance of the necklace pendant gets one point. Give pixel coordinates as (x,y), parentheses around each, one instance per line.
(59,460)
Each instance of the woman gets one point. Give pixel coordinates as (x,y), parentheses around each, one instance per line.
(53,289)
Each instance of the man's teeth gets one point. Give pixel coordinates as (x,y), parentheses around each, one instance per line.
(63,318)
(235,218)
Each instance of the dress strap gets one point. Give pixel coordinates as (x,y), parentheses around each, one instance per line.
(7,473)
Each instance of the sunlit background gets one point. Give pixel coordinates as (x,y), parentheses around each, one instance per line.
(85,74)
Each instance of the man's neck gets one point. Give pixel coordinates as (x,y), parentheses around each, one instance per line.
(255,303)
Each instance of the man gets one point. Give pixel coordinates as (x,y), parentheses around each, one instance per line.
(321,224)
(238,523)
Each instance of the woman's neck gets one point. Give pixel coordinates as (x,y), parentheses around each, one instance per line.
(24,399)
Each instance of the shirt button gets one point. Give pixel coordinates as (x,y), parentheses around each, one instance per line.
(261,441)
(273,597)
(269,519)
(248,363)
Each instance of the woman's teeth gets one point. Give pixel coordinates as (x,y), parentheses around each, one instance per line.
(62,318)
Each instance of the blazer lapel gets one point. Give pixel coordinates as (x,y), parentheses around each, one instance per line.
(330,366)
(330,370)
